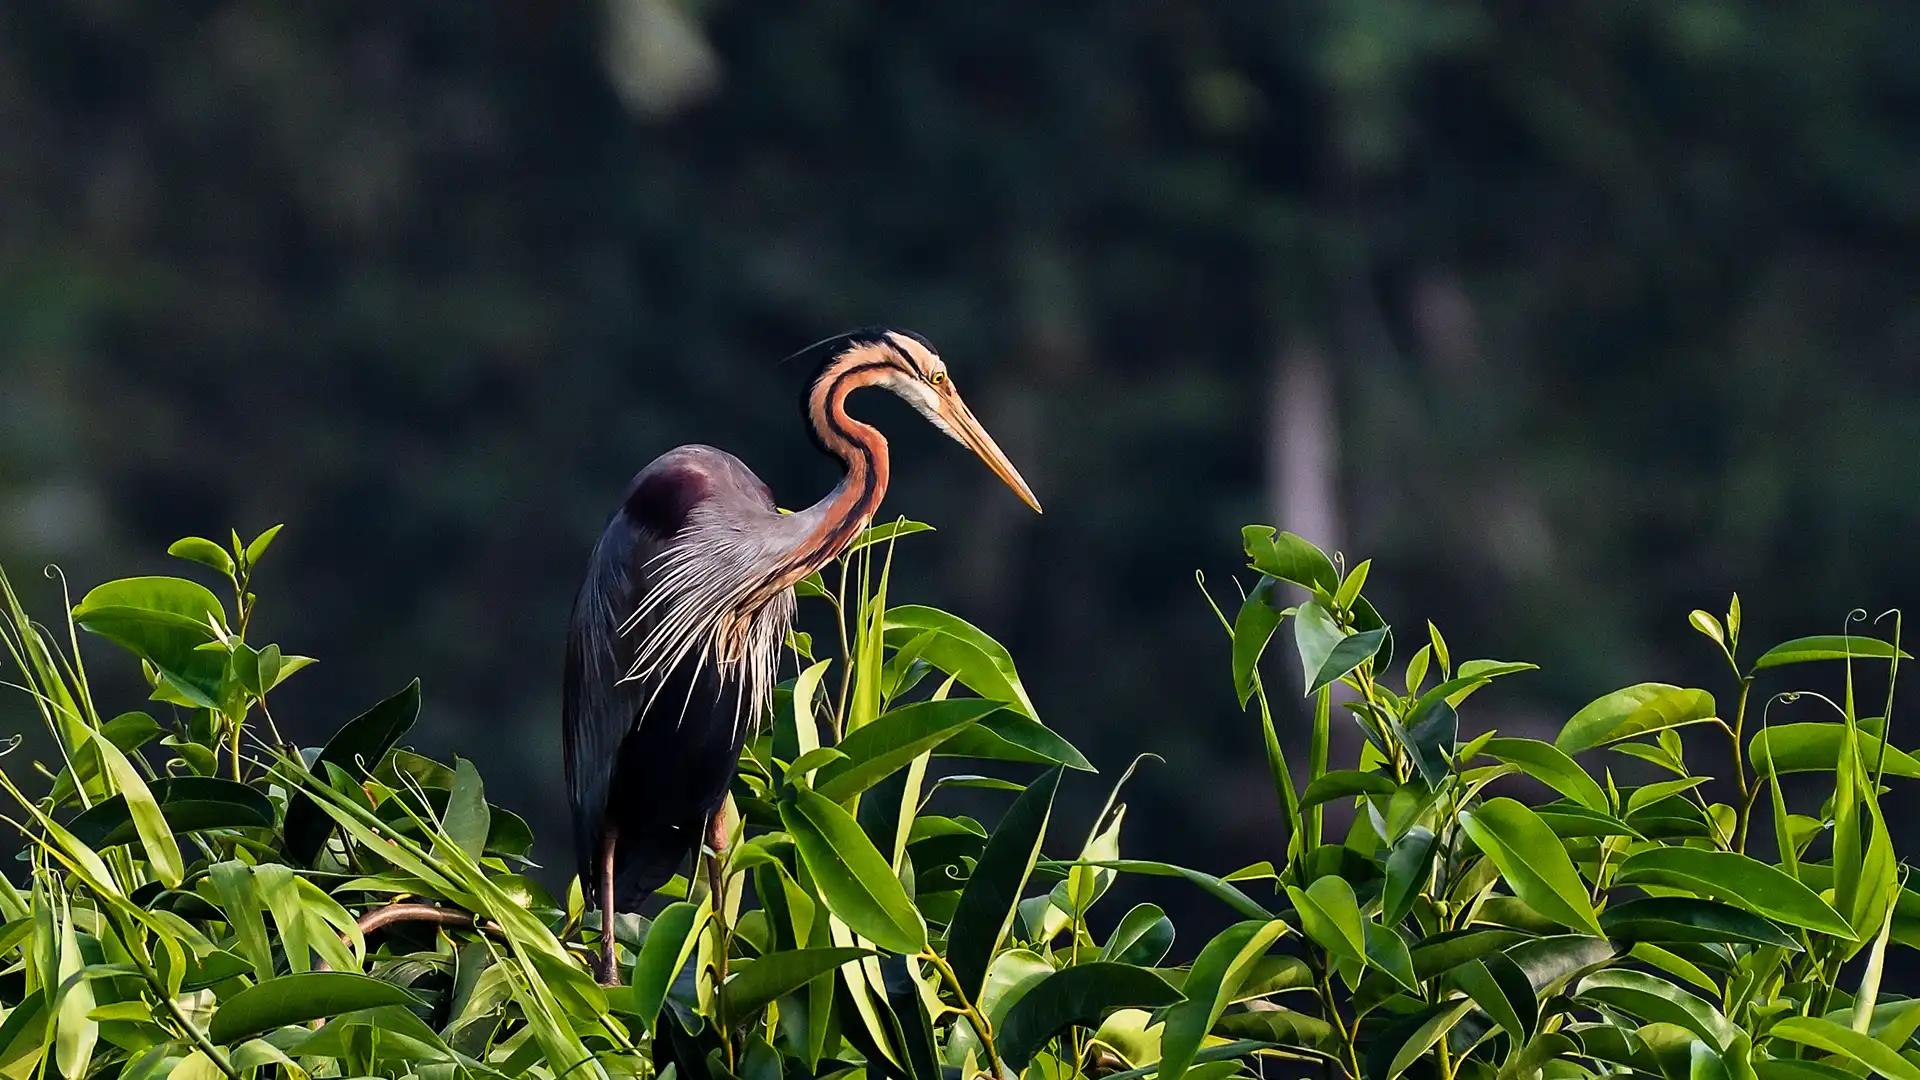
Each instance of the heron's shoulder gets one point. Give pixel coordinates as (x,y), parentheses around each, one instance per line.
(666,493)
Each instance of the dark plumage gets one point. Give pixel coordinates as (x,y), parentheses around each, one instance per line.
(658,783)
(688,597)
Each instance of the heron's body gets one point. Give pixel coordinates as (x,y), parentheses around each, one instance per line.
(688,597)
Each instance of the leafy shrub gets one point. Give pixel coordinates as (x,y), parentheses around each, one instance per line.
(246,908)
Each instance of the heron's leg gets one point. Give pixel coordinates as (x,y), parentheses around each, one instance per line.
(719,834)
(608,975)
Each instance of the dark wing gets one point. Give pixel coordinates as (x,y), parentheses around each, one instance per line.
(656,786)
(597,709)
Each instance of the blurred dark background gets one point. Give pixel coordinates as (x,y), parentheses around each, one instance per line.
(1574,316)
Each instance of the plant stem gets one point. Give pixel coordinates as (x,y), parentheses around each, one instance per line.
(967,1008)
(1317,760)
(159,988)
(1747,792)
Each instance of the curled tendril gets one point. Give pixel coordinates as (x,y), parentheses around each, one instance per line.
(11,744)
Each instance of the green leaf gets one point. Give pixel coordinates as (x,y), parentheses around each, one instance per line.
(1210,987)
(1079,995)
(1688,919)
(1551,766)
(1350,588)
(1736,879)
(1656,1000)
(261,543)
(891,742)
(1532,861)
(1430,733)
(1143,938)
(1815,747)
(1708,625)
(1387,952)
(1344,784)
(758,982)
(1407,866)
(992,894)
(467,820)
(295,999)
(1253,628)
(1502,991)
(1006,735)
(887,533)
(1632,711)
(191,804)
(1826,647)
(186,600)
(962,650)
(1330,915)
(854,879)
(1326,651)
(1291,558)
(1213,886)
(1407,1040)
(168,641)
(142,809)
(669,942)
(359,745)
(203,551)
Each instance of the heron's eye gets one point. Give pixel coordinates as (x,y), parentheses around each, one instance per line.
(937,378)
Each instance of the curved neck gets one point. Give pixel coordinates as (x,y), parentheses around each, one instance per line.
(829,526)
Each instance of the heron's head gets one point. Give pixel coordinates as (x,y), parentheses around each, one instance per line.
(906,363)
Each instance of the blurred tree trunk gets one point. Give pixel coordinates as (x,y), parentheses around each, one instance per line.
(1303,448)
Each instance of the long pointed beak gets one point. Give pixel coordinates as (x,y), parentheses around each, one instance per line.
(967,429)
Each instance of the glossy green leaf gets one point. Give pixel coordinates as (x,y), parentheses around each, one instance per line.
(190,803)
(1326,651)
(203,551)
(1669,919)
(891,742)
(1532,861)
(1077,995)
(467,820)
(1290,558)
(1143,937)
(758,982)
(854,879)
(1209,988)
(1008,736)
(1387,953)
(1826,647)
(1259,616)
(1430,733)
(1736,879)
(1330,915)
(1815,747)
(1408,865)
(1635,710)
(1502,991)
(142,808)
(1656,1000)
(962,650)
(1551,766)
(663,953)
(295,999)
(987,905)
(1346,784)
(1219,889)
(1407,1040)
(1834,1039)
(359,745)
(1551,962)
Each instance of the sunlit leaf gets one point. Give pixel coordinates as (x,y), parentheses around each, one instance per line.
(1532,861)
(1635,710)
(294,999)
(1736,879)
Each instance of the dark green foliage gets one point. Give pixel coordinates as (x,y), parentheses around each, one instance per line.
(1500,908)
